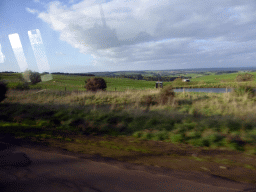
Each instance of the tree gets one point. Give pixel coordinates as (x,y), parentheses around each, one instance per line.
(95,84)
(33,77)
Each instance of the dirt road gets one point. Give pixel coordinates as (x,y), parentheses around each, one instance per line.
(54,170)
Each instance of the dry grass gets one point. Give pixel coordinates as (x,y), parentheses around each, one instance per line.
(205,103)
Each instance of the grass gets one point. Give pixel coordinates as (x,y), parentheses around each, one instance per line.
(71,83)
(120,123)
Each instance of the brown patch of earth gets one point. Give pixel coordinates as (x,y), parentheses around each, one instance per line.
(153,156)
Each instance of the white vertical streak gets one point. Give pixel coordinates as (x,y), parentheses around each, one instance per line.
(18,51)
(38,48)
(2,56)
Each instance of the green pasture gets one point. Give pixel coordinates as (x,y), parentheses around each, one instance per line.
(71,83)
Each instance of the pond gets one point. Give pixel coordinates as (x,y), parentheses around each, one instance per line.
(205,90)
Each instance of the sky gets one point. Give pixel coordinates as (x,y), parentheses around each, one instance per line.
(80,36)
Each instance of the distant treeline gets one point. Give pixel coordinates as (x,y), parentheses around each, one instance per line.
(78,74)
(149,78)
(221,72)
(8,72)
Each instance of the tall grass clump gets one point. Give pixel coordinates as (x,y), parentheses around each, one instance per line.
(166,95)
(243,89)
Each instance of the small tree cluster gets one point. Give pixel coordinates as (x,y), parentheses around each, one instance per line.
(95,84)
(244,77)
(3,90)
(33,77)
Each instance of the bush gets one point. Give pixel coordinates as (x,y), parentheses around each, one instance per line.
(147,100)
(33,77)
(241,90)
(244,77)
(95,84)
(166,95)
(200,142)
(3,90)
(177,138)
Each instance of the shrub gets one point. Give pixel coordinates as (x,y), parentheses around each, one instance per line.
(33,77)
(235,143)
(177,138)
(160,135)
(166,95)
(200,142)
(95,84)
(215,139)
(233,125)
(147,100)
(137,134)
(244,77)
(241,90)
(3,90)
(147,135)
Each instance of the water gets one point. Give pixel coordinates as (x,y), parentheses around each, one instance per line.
(205,90)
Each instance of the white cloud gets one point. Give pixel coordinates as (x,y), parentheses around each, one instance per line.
(33,11)
(60,53)
(40,2)
(148,33)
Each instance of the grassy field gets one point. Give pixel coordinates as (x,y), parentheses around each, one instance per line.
(134,121)
(71,83)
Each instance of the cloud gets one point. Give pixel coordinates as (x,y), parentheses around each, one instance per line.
(60,53)
(38,1)
(157,33)
(33,11)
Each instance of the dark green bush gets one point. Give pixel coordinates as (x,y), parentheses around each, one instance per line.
(233,125)
(200,142)
(3,90)
(215,139)
(235,143)
(241,90)
(177,138)
(33,77)
(95,84)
